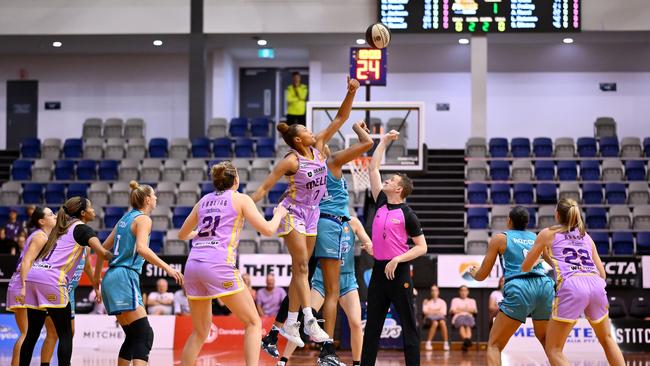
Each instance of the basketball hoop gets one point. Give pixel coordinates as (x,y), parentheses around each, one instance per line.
(360,177)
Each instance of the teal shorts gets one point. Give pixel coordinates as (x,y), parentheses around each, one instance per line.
(328,240)
(121,290)
(528,296)
(347,283)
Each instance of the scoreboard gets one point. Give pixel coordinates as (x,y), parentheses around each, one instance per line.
(480,16)
(368,65)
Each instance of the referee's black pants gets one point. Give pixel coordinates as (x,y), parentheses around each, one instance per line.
(381,293)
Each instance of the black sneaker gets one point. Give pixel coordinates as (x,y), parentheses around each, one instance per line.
(330,359)
(269,345)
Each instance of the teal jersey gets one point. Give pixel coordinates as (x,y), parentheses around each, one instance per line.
(336,200)
(124,249)
(517,247)
(347,249)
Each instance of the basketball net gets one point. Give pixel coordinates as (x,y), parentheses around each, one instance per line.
(360,177)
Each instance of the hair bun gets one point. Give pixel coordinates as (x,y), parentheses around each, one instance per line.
(133,184)
(283,127)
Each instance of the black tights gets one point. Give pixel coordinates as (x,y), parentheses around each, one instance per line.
(62,319)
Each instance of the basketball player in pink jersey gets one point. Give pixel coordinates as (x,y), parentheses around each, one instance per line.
(46,271)
(305,168)
(211,270)
(580,283)
(42,220)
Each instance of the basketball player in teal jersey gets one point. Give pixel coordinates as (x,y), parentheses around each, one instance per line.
(525,294)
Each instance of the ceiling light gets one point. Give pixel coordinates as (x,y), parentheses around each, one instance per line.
(261,42)
(463,41)
(157,43)
(57,44)
(361,41)
(567,40)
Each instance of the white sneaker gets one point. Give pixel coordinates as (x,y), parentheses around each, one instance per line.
(446,346)
(428,346)
(292,333)
(315,332)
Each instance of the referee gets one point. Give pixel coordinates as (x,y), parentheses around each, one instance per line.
(393,224)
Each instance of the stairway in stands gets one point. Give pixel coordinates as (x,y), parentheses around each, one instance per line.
(439,201)
(7,157)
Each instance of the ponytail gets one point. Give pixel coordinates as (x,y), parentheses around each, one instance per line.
(570,216)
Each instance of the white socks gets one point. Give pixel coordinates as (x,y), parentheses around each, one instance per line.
(309,315)
(292,318)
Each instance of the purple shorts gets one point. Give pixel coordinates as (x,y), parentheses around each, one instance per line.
(13,293)
(41,296)
(579,294)
(302,218)
(206,280)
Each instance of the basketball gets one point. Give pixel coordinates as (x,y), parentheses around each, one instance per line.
(378,35)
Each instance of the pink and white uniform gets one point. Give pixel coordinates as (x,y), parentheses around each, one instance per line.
(579,285)
(306,189)
(47,282)
(15,284)
(211,270)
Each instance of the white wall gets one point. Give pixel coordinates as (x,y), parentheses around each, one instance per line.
(152,87)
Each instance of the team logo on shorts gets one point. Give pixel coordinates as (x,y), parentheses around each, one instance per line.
(228,284)
(51,298)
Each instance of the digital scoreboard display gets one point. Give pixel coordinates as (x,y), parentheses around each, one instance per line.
(368,65)
(480,16)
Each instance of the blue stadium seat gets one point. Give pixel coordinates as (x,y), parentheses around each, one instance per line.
(4,215)
(112,215)
(543,147)
(222,147)
(22,213)
(477,193)
(500,193)
(646,147)
(520,147)
(643,243)
(592,194)
(567,170)
(33,193)
(102,235)
(268,213)
(596,218)
(544,170)
(546,193)
(587,147)
(156,241)
(266,147)
(30,148)
(498,147)
(21,170)
(238,127)
(523,193)
(180,213)
(601,239)
(615,193)
(55,193)
(635,170)
(276,192)
(499,170)
(64,170)
(623,243)
(532,218)
(72,148)
(78,189)
(260,127)
(477,218)
(609,147)
(87,170)
(244,147)
(108,169)
(206,188)
(158,147)
(201,147)
(242,187)
(590,170)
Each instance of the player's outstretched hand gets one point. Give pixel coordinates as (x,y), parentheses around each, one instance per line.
(390,136)
(353,85)
(360,126)
(176,276)
(108,255)
(472,271)
(280,210)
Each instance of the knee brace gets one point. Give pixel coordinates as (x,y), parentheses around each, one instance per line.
(126,351)
(142,339)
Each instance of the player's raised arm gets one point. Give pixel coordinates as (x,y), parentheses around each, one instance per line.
(340,158)
(374,175)
(341,116)
(286,166)
(496,245)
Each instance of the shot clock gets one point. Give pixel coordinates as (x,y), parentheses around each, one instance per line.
(368,65)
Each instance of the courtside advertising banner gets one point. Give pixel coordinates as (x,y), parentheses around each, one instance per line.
(102,332)
(452,272)
(9,332)
(582,339)
(259,265)
(645,264)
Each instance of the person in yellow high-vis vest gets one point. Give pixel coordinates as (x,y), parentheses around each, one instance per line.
(296,97)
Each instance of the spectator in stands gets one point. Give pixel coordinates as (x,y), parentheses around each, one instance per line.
(20,244)
(269,298)
(181,304)
(435,312)
(296,97)
(495,298)
(98,307)
(247,280)
(28,211)
(160,302)
(463,310)
(13,227)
